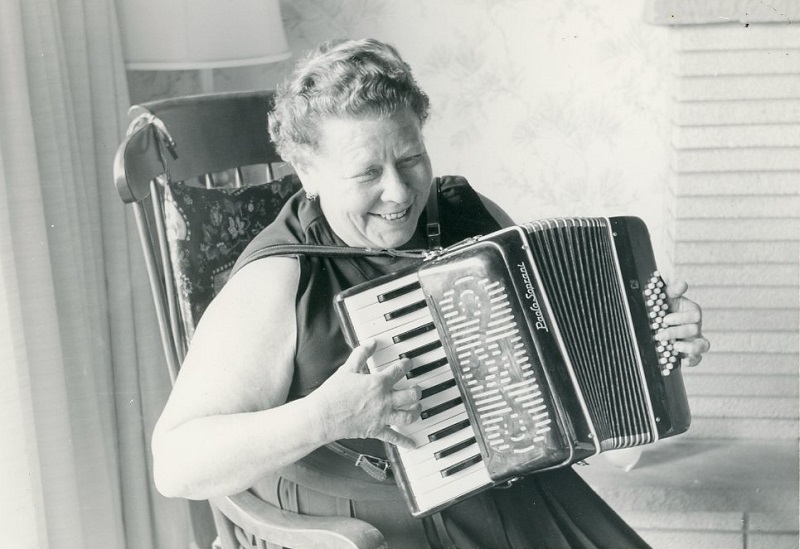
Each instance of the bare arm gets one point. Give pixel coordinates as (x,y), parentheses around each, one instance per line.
(222,426)
(227,422)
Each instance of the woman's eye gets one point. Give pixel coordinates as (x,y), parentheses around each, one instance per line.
(369,174)
(410,160)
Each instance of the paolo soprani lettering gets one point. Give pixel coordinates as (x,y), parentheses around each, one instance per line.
(531,295)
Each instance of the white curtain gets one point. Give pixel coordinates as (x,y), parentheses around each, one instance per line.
(81,373)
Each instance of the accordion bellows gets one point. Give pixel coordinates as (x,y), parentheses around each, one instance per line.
(534,349)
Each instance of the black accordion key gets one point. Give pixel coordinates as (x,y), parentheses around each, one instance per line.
(439,408)
(414,353)
(397,313)
(425,368)
(438,388)
(414,332)
(454,428)
(403,290)
(469,462)
(455,448)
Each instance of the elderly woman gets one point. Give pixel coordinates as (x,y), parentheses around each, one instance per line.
(269,381)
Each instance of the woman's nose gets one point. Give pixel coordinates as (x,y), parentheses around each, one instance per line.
(395,189)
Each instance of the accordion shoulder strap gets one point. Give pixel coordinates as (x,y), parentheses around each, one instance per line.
(326,251)
(433,228)
(433,233)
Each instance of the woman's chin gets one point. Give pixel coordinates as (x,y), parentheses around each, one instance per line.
(391,241)
(393,234)
(392,237)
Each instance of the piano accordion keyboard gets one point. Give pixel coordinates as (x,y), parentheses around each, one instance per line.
(446,464)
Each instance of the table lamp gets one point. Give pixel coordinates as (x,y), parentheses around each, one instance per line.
(201,35)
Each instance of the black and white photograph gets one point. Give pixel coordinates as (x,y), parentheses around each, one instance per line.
(384,274)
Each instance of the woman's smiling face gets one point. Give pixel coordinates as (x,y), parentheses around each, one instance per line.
(372,176)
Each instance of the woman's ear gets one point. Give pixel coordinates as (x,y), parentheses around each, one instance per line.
(307,178)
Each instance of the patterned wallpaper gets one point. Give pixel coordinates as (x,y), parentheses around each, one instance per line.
(548,108)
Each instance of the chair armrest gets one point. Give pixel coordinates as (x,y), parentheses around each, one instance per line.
(289,529)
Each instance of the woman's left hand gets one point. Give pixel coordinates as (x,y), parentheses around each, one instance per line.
(684,324)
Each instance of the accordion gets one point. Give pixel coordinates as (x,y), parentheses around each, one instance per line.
(534,348)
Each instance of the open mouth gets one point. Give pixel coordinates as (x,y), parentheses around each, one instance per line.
(394,216)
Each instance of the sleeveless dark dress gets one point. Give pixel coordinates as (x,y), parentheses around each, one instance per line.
(552,510)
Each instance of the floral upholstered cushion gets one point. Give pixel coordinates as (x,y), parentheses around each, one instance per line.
(207,229)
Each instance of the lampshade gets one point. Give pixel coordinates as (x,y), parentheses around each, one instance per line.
(201,34)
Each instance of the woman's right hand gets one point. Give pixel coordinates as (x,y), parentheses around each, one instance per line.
(356,404)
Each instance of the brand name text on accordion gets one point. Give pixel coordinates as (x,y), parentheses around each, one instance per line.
(531,295)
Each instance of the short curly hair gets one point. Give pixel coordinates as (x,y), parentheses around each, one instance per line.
(341,78)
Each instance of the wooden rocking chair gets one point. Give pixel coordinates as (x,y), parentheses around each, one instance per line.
(183,164)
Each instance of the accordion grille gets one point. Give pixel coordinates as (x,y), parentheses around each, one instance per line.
(576,261)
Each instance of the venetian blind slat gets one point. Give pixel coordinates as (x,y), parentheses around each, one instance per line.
(755,365)
(738,38)
(748,207)
(728,88)
(739,385)
(780,60)
(737,275)
(769,297)
(720,230)
(737,252)
(736,137)
(754,342)
(737,160)
(714,113)
(745,407)
(736,184)
(736,316)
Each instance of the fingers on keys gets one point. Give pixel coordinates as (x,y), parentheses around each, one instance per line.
(406,398)
(683,326)
(684,323)
(357,361)
(677,332)
(676,289)
(388,434)
(397,370)
(692,350)
(691,315)
(406,407)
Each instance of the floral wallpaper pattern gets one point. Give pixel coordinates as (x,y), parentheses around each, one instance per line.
(548,108)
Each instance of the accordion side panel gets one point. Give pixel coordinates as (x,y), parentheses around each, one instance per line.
(475,301)
(667,392)
(541,324)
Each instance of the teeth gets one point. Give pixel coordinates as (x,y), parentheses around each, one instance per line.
(394,216)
